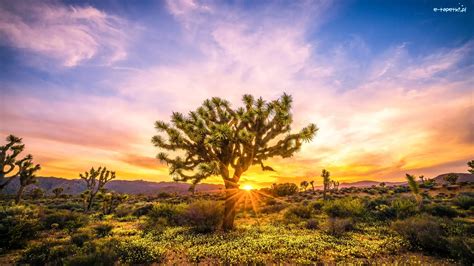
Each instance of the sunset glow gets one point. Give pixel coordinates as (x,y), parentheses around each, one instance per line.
(247,187)
(83,84)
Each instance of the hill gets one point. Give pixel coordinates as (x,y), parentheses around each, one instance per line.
(77,186)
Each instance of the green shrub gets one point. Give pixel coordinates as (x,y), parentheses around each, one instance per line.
(142,210)
(170,214)
(49,252)
(344,208)
(464,201)
(17,225)
(312,224)
(204,215)
(103,252)
(138,250)
(423,232)
(65,219)
(404,207)
(298,211)
(103,229)
(317,205)
(286,189)
(338,226)
(441,210)
(273,208)
(80,238)
(461,248)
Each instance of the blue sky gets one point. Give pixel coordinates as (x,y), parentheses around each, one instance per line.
(83,81)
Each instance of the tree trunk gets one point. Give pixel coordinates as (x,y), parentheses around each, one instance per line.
(89,204)
(230,203)
(19,194)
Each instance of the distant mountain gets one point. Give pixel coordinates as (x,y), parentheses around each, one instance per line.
(369,183)
(462,177)
(77,186)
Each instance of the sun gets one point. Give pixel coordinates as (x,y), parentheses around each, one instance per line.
(247,187)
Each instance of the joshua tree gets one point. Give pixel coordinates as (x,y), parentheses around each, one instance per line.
(95,180)
(335,185)
(451,178)
(471,166)
(110,201)
(10,167)
(382,184)
(37,193)
(312,185)
(326,182)
(415,189)
(304,185)
(218,140)
(27,177)
(57,191)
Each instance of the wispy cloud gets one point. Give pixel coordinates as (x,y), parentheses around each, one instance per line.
(70,35)
(380,114)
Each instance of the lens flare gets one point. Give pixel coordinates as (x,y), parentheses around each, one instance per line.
(247,187)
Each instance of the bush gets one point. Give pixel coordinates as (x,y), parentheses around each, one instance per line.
(344,208)
(17,225)
(423,232)
(312,224)
(143,210)
(298,211)
(169,214)
(461,248)
(204,215)
(137,250)
(273,208)
(404,207)
(48,252)
(442,210)
(464,201)
(64,219)
(317,205)
(286,189)
(338,226)
(95,253)
(103,229)
(80,238)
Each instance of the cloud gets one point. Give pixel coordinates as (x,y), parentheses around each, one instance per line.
(70,35)
(380,115)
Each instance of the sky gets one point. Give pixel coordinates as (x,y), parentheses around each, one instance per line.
(388,83)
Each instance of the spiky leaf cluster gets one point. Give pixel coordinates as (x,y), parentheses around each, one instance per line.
(10,166)
(216,139)
(95,181)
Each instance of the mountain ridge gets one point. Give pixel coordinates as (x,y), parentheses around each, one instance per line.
(77,186)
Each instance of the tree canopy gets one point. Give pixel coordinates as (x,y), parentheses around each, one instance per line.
(218,140)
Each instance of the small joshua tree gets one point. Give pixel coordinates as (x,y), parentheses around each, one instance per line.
(471,166)
(422,179)
(95,181)
(110,202)
(27,177)
(218,140)
(335,185)
(312,185)
(304,185)
(57,191)
(451,178)
(415,189)
(10,166)
(326,182)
